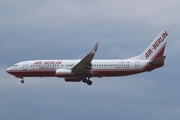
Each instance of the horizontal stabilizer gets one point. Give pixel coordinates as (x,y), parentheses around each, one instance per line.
(158,60)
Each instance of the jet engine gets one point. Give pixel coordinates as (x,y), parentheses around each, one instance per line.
(63,72)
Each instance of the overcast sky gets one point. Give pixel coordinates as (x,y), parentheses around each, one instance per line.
(68,29)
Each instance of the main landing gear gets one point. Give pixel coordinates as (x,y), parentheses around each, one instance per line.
(85,80)
(89,82)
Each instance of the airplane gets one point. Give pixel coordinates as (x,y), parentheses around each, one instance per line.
(82,70)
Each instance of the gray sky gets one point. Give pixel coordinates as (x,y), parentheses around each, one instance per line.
(68,29)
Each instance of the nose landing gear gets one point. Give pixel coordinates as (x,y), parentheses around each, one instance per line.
(22,81)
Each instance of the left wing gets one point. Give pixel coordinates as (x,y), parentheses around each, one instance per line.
(84,66)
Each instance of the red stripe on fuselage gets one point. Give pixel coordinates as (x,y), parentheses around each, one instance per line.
(27,73)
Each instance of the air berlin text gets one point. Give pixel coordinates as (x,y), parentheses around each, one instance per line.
(157,43)
(48,62)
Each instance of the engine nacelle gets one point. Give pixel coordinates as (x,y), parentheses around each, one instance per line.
(63,72)
(72,79)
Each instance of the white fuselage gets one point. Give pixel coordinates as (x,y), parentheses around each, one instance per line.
(100,68)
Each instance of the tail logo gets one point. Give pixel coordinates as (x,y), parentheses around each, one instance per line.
(156,44)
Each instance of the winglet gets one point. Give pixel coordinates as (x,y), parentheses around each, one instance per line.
(94,48)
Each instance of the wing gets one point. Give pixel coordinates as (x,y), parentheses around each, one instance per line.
(84,66)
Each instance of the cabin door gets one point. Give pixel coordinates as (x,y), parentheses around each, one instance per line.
(25,66)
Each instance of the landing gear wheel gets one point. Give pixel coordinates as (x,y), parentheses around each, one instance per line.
(84,80)
(22,81)
(89,82)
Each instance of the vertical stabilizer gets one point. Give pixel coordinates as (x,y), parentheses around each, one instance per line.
(156,48)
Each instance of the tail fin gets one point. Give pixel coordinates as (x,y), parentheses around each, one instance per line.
(156,49)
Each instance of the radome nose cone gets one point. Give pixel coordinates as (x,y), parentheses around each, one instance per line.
(8,70)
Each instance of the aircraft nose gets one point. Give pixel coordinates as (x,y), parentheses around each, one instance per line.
(8,70)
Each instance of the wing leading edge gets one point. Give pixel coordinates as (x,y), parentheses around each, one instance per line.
(84,66)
